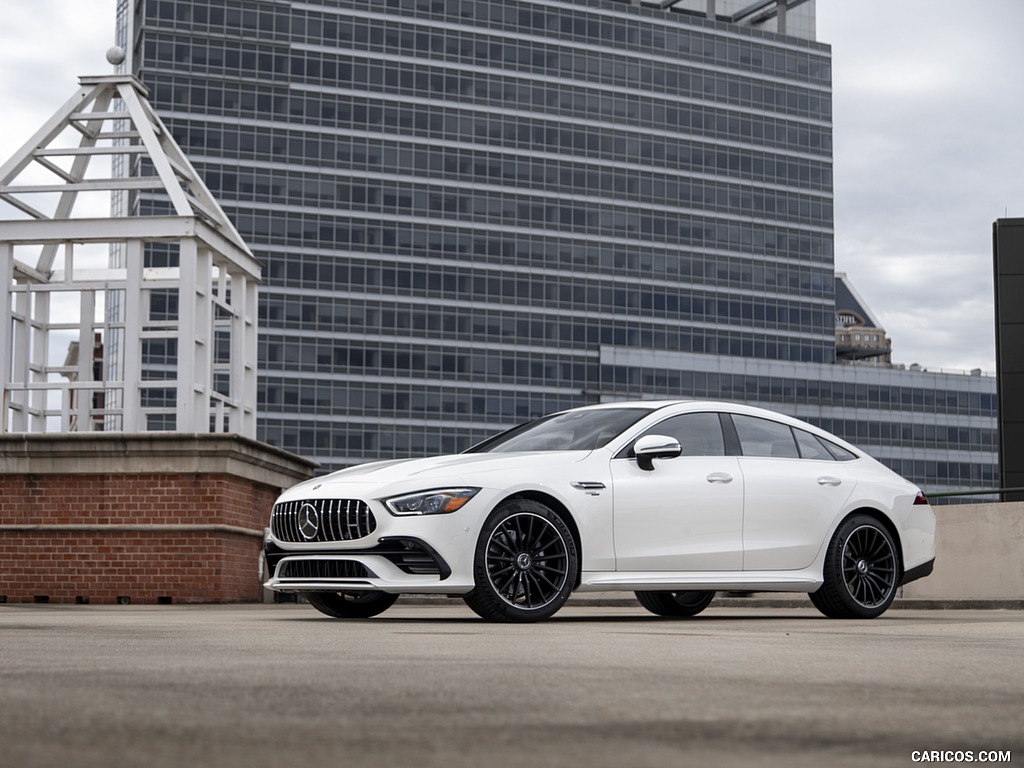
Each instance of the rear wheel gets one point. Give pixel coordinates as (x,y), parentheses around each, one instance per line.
(351,605)
(861,571)
(687,603)
(525,563)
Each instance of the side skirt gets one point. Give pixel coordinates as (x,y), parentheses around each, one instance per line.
(729,581)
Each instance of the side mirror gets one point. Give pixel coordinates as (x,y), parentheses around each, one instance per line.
(650,447)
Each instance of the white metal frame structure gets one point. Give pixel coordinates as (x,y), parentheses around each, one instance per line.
(51,296)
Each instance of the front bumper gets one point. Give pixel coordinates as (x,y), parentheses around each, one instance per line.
(395,565)
(409,556)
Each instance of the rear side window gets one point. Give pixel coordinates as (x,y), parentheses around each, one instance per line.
(761,437)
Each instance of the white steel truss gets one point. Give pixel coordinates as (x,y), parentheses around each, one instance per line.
(156,313)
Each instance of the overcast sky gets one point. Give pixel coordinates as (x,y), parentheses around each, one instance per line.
(929,150)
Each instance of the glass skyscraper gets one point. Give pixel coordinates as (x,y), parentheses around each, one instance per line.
(473,212)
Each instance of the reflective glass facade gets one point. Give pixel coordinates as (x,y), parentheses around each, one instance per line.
(462,206)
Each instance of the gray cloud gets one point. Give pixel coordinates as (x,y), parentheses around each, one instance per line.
(927,156)
(47,45)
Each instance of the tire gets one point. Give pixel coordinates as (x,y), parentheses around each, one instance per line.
(861,571)
(351,605)
(688,603)
(525,564)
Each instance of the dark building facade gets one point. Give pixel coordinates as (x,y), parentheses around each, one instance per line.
(1008,257)
(473,212)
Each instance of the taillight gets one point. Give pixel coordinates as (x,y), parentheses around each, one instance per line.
(920,498)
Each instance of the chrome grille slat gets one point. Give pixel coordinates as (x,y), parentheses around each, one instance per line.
(338,520)
(343,515)
(329,520)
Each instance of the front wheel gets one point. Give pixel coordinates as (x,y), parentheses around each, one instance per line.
(861,573)
(687,603)
(351,605)
(525,563)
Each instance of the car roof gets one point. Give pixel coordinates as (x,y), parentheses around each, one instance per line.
(655,405)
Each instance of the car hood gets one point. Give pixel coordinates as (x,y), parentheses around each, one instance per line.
(457,469)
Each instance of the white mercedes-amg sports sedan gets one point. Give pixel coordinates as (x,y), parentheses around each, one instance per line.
(669,500)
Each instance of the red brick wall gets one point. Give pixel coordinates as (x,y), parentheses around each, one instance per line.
(102,563)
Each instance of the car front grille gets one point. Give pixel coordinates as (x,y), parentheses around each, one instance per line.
(322,520)
(324,569)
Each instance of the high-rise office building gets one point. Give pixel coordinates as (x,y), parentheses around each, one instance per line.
(472,212)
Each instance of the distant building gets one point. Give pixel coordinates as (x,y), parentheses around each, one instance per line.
(70,371)
(859,336)
(473,212)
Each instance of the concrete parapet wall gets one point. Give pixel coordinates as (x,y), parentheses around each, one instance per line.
(979,554)
(162,517)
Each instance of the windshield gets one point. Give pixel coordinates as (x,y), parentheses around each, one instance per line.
(572,431)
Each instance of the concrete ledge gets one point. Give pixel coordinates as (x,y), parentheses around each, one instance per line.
(86,453)
(129,528)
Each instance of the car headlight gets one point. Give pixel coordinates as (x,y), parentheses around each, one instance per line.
(434,502)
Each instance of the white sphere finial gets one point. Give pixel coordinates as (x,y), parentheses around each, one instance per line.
(115,55)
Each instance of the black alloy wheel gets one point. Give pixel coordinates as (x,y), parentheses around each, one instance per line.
(861,573)
(525,565)
(351,605)
(686,603)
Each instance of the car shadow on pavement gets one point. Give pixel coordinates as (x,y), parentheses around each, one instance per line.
(574,618)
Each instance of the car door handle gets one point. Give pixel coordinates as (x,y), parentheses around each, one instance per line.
(722,478)
(827,480)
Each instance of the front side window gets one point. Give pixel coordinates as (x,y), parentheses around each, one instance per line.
(699,434)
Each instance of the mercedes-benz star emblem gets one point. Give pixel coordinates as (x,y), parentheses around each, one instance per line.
(309,521)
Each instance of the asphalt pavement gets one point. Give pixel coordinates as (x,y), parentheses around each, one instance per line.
(431,685)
